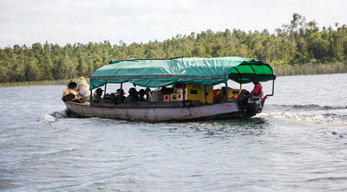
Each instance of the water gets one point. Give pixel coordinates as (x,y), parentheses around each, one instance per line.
(298,143)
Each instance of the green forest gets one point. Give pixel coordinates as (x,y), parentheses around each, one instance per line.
(295,45)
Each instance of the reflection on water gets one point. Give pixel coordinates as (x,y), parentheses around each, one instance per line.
(294,145)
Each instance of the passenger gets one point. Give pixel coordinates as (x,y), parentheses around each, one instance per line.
(141,95)
(83,89)
(120,96)
(113,98)
(148,94)
(97,98)
(257,91)
(107,98)
(132,96)
(70,93)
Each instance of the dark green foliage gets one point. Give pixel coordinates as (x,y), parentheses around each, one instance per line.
(297,43)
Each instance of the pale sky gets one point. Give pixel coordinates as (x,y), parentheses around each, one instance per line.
(82,21)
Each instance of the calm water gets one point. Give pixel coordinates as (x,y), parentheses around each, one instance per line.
(298,143)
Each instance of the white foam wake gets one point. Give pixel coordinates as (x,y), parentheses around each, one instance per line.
(46,119)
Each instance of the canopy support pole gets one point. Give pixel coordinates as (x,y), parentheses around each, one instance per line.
(273,88)
(184,93)
(226,90)
(121,86)
(105,88)
(91,96)
(205,95)
(239,77)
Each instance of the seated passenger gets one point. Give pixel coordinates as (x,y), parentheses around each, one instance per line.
(107,98)
(97,96)
(148,94)
(70,93)
(120,96)
(113,98)
(256,92)
(132,96)
(141,95)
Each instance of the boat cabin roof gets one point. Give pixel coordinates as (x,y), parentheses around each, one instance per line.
(167,71)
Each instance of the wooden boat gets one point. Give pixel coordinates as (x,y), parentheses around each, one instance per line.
(201,72)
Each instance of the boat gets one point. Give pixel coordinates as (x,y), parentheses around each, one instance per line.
(192,97)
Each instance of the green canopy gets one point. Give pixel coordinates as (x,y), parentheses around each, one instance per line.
(163,72)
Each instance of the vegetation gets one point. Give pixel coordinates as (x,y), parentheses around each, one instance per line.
(296,48)
(311,69)
(39,83)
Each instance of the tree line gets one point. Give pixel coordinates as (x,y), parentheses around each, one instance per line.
(297,43)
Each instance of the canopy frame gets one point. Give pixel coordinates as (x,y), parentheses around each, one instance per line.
(166,71)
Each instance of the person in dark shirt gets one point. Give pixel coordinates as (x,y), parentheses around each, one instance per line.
(142,95)
(97,98)
(120,96)
(132,96)
(148,94)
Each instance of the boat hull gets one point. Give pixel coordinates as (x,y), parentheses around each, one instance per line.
(227,110)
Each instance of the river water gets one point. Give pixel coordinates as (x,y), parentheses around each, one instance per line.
(298,143)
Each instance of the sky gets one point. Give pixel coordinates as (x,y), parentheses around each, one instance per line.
(83,21)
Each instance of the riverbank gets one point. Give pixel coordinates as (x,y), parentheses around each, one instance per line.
(310,69)
(35,83)
(287,70)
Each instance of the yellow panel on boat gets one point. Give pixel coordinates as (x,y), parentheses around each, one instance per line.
(208,92)
(192,92)
(232,94)
(174,97)
(197,92)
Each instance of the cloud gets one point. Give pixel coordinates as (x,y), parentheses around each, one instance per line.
(65,21)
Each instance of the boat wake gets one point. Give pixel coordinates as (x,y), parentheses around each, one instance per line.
(303,114)
(47,118)
(313,114)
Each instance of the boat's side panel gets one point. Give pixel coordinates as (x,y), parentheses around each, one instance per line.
(75,108)
(109,112)
(154,114)
(179,113)
(150,115)
(87,111)
(98,111)
(120,113)
(170,114)
(142,114)
(166,114)
(160,114)
(209,110)
(185,113)
(231,106)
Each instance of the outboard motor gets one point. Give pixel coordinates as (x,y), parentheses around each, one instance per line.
(254,106)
